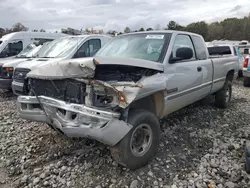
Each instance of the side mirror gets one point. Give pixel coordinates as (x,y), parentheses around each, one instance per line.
(81,54)
(182,54)
(3,54)
(95,51)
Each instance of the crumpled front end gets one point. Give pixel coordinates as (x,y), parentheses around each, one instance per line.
(87,99)
(74,120)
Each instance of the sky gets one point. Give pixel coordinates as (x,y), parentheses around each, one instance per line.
(116,14)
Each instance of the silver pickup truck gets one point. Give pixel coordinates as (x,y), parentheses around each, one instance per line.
(118,96)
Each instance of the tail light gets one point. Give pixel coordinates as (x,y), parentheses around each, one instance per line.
(245,65)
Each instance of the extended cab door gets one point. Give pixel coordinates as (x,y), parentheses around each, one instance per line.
(185,77)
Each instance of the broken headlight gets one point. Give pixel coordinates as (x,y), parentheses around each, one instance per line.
(104,97)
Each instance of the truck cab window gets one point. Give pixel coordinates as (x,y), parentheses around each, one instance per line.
(89,48)
(180,42)
(246,51)
(12,49)
(200,48)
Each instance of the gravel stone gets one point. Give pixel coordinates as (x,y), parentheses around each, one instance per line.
(134,184)
(211,141)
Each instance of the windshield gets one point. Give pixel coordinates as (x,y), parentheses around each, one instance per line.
(1,42)
(138,46)
(60,47)
(34,51)
(26,50)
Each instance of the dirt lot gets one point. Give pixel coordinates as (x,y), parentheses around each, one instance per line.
(201,146)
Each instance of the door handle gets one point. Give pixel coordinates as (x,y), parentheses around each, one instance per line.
(199,69)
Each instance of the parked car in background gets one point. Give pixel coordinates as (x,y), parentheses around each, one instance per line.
(227,50)
(69,47)
(13,43)
(246,72)
(118,96)
(7,66)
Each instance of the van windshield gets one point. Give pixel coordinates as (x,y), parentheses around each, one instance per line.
(139,46)
(26,51)
(61,47)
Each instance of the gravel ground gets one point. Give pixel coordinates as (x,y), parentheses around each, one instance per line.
(201,146)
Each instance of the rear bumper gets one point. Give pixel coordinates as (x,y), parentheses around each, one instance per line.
(17,88)
(5,83)
(74,120)
(246,73)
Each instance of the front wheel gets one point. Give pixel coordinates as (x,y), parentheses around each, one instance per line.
(139,146)
(223,96)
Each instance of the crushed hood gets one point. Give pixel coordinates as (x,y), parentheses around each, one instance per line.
(70,68)
(129,62)
(37,62)
(83,67)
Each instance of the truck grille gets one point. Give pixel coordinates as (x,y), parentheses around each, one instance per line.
(20,74)
(68,90)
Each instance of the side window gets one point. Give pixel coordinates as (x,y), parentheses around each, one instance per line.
(246,51)
(12,49)
(94,46)
(200,47)
(235,53)
(89,48)
(83,51)
(180,42)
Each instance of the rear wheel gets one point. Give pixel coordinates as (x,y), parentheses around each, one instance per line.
(240,74)
(247,157)
(246,82)
(223,96)
(139,146)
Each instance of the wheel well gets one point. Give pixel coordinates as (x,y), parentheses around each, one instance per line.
(153,103)
(230,75)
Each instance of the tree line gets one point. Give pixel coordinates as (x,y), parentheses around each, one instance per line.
(228,29)
(15,28)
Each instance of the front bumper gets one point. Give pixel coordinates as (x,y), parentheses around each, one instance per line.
(17,88)
(74,120)
(5,83)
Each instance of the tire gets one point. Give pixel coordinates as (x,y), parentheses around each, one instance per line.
(246,82)
(124,153)
(247,159)
(240,74)
(223,96)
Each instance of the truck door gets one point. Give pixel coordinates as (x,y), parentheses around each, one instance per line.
(185,77)
(205,63)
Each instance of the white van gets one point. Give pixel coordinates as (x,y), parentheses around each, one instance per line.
(64,48)
(7,66)
(13,43)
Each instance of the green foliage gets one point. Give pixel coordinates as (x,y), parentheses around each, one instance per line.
(127,30)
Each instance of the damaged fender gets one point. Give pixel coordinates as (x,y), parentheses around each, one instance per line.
(73,68)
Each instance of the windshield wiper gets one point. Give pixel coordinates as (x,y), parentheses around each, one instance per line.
(21,56)
(46,57)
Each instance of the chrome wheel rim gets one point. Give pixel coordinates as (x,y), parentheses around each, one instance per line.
(141,140)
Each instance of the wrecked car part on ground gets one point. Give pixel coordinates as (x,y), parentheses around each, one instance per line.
(118,96)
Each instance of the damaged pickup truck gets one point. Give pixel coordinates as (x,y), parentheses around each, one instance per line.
(118,97)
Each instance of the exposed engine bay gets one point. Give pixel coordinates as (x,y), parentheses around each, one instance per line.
(121,73)
(89,91)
